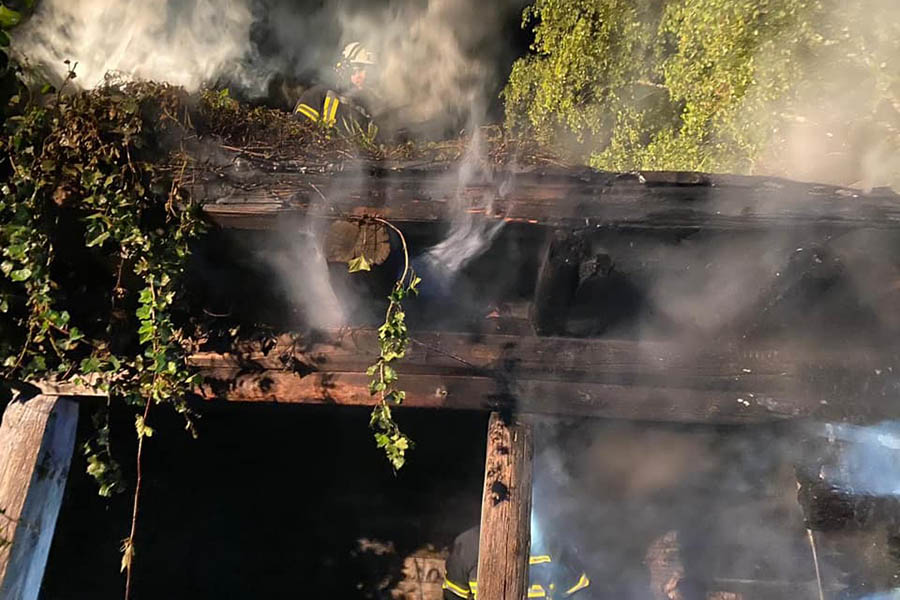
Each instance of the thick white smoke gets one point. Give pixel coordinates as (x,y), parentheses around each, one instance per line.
(468,236)
(436,58)
(437,63)
(184,42)
(428,67)
(844,125)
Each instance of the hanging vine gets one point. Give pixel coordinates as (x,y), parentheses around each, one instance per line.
(393,338)
(95,237)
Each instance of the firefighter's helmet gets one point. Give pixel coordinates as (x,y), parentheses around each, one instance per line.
(355,54)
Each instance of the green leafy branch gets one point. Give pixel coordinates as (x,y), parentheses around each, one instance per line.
(393,340)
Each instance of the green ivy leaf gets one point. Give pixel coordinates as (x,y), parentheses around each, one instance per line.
(146,332)
(98,240)
(90,365)
(15,251)
(143,430)
(413,286)
(9,18)
(20,274)
(4,39)
(397,461)
(359,264)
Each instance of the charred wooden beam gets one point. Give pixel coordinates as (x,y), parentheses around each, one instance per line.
(551,197)
(606,378)
(505,540)
(483,393)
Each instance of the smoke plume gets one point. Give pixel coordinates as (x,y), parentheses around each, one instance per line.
(184,42)
(437,59)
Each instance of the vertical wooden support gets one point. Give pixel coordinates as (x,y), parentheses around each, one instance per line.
(506,512)
(36,441)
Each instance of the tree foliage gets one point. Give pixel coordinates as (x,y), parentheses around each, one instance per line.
(717,85)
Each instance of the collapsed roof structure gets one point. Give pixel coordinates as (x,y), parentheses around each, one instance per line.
(548,289)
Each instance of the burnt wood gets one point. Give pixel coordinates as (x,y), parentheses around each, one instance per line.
(270,195)
(628,379)
(557,281)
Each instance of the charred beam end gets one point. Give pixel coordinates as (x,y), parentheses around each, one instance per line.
(557,281)
(506,511)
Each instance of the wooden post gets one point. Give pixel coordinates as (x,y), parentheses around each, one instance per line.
(36,441)
(506,512)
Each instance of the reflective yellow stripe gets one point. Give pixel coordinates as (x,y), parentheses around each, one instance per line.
(537,560)
(308,111)
(535,591)
(332,116)
(456,589)
(325,108)
(583,582)
(329,109)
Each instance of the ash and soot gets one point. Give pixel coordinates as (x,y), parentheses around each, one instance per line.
(676,504)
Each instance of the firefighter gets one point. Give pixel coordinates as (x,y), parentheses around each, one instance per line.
(351,106)
(551,574)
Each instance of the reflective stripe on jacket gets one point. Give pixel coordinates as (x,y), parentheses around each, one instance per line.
(548,576)
(322,105)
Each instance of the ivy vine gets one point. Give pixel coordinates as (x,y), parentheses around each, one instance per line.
(96,228)
(393,341)
(95,237)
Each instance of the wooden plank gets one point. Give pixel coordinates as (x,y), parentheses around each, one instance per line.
(606,378)
(505,540)
(37,437)
(552,357)
(562,199)
(633,402)
(574,398)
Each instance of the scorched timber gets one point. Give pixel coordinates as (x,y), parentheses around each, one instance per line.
(605,378)
(556,197)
